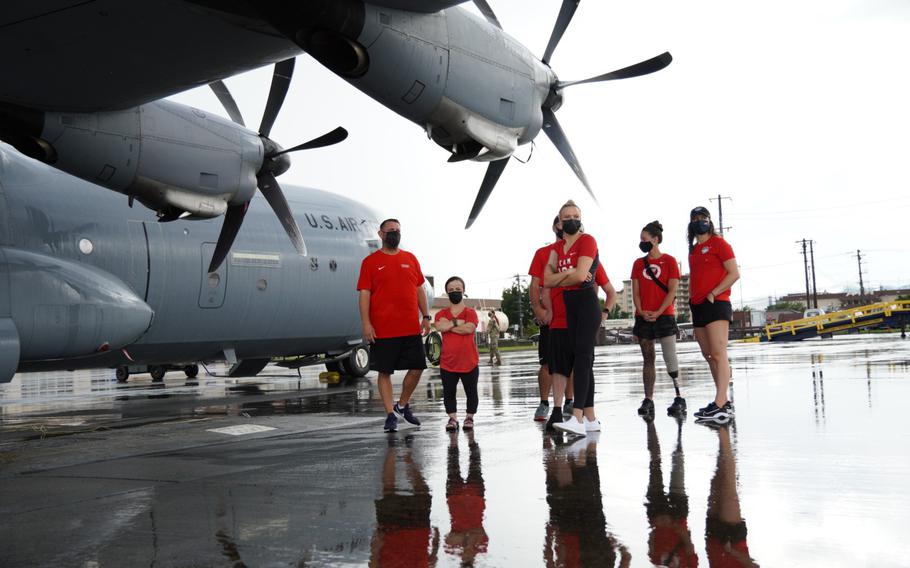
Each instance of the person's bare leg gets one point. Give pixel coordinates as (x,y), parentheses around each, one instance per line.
(544,382)
(408,386)
(559,388)
(384,382)
(648,371)
(718,333)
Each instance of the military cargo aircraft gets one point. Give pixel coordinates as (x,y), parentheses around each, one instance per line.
(86,281)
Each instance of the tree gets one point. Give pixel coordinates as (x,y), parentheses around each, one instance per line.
(617,313)
(517,299)
(794,306)
(682,318)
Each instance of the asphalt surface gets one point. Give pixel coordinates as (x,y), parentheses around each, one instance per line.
(811,473)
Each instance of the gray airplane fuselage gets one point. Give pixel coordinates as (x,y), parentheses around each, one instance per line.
(81,274)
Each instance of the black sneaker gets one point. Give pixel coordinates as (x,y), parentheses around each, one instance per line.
(406,415)
(715,413)
(646,408)
(555,418)
(678,408)
(391,423)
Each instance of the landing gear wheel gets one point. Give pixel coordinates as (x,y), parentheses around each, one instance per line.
(157,372)
(191,371)
(357,364)
(122,374)
(433,347)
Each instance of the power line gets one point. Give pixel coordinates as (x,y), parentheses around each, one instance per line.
(720,211)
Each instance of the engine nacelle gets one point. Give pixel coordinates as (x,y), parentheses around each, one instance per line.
(63,309)
(171,157)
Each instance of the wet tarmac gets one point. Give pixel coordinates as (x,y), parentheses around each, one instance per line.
(287,471)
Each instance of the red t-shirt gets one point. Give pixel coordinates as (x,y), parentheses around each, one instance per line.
(393,281)
(706,266)
(650,295)
(558,321)
(565,260)
(666,544)
(459,352)
(539,263)
(719,557)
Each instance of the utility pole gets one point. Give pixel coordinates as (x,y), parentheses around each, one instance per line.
(720,211)
(859,263)
(521,324)
(814,287)
(806,270)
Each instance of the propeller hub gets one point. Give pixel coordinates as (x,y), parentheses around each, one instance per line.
(273,162)
(554,99)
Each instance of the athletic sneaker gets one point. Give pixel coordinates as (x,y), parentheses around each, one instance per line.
(571,427)
(592,425)
(555,418)
(542,410)
(646,408)
(406,416)
(714,413)
(678,407)
(567,406)
(391,423)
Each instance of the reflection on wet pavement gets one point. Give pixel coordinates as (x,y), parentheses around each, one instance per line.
(96,475)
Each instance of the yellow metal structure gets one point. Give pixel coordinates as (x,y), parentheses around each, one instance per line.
(862,316)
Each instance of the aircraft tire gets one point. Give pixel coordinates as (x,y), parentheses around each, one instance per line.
(433,347)
(191,371)
(122,374)
(357,363)
(157,372)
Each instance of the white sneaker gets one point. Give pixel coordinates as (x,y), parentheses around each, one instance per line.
(571,427)
(592,425)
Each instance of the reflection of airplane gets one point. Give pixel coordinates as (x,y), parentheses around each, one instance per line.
(84,282)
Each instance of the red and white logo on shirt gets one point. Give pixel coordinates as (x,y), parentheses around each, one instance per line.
(654,268)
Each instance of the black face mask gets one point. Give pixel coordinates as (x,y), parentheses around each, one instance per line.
(560,234)
(700,227)
(392,238)
(455,297)
(646,246)
(571,226)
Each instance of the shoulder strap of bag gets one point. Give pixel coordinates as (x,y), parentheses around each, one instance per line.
(653,276)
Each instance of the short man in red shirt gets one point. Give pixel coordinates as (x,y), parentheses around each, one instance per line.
(392,302)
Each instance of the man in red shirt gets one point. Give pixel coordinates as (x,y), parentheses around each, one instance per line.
(391,305)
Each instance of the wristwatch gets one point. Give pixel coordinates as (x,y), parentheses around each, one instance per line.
(428,318)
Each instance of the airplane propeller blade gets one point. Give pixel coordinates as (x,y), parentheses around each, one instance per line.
(333,137)
(487,12)
(233,218)
(227,101)
(558,137)
(637,70)
(269,187)
(281,81)
(562,22)
(494,170)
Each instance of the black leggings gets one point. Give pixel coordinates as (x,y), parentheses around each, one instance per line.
(468,381)
(583,317)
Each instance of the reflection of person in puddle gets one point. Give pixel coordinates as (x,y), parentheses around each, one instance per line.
(403,536)
(576,534)
(466,503)
(670,542)
(725,529)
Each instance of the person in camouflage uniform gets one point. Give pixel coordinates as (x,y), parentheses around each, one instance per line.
(493,330)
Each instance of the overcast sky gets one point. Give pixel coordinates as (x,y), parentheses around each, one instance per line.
(797,111)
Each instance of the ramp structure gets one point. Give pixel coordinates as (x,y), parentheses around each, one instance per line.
(894,314)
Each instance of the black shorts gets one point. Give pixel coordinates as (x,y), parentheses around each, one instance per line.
(392,354)
(706,312)
(561,353)
(665,326)
(543,345)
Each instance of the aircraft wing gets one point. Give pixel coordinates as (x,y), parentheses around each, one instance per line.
(425,6)
(90,55)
